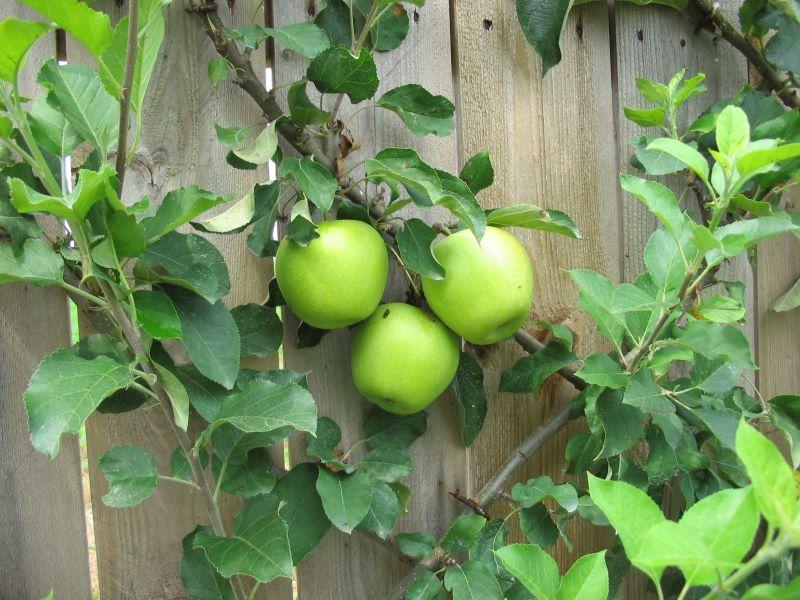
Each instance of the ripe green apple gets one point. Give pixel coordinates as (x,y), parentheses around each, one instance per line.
(338,278)
(487,290)
(403,358)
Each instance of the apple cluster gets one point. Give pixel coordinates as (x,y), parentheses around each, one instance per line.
(402,357)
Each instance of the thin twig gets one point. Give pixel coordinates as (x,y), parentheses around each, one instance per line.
(782,87)
(470,503)
(127,90)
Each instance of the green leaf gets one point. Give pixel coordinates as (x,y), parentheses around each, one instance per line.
(76,91)
(427,586)
(199,577)
(178,208)
(533,217)
(323,443)
(538,526)
(631,513)
(383,512)
(157,315)
(720,309)
(20,227)
(334,19)
(788,301)
(651,117)
(260,329)
(179,464)
(595,299)
(264,406)
(772,479)
(302,510)
(151,29)
(537,489)
(459,200)
(714,340)
(234,446)
(178,397)
(542,22)
(262,148)
(586,579)
(533,567)
(404,166)
(471,397)
(247,479)
(349,210)
(399,431)
(599,369)
(186,260)
(684,153)
(529,373)
(782,48)
(337,71)
(345,498)
(92,187)
(314,180)
(726,522)
(492,537)
(462,534)
(302,110)
(260,241)
(740,235)
(478,172)
(131,474)
(658,198)
(16,39)
(646,395)
(218,70)
(307,39)
(715,376)
(416,545)
(390,29)
(210,335)
(51,129)
(65,390)
(670,544)
(771,591)
(422,112)
(653,162)
(733,130)
(472,581)
(414,242)
(90,27)
(259,547)
(753,160)
(387,463)
(621,423)
(37,263)
(232,136)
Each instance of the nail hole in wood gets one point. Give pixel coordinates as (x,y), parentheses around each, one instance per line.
(683,43)
(487,24)
(416,16)
(640,35)
(579,30)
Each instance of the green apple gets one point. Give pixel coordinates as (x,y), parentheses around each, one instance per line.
(487,290)
(338,278)
(403,358)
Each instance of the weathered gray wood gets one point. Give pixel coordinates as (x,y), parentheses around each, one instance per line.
(657,42)
(344,566)
(41,501)
(551,141)
(139,549)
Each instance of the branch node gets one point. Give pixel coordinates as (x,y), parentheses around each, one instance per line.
(472,503)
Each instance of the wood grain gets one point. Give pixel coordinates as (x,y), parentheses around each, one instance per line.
(551,141)
(656,43)
(139,549)
(41,501)
(347,566)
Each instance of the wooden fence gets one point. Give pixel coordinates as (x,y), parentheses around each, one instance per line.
(558,142)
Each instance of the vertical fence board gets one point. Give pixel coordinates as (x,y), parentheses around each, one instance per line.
(778,333)
(350,566)
(42,522)
(139,549)
(656,42)
(550,142)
